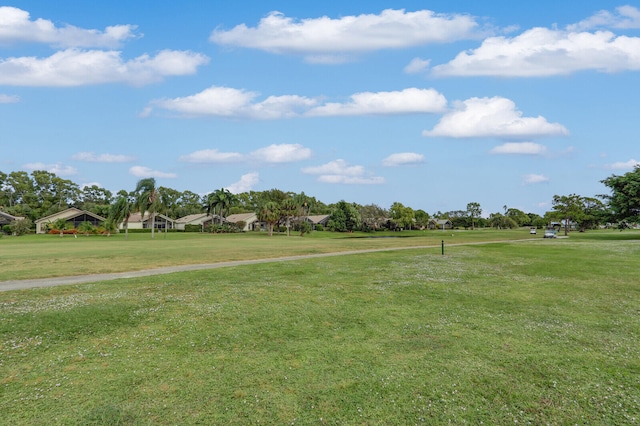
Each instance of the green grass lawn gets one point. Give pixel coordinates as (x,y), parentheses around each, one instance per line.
(539,332)
(40,256)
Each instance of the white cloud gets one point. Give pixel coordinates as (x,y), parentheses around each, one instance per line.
(542,52)
(524,148)
(281,153)
(275,153)
(92,157)
(146,172)
(9,99)
(245,184)
(403,159)
(74,67)
(57,169)
(212,156)
(625,17)
(339,171)
(623,165)
(323,38)
(16,26)
(417,65)
(492,117)
(235,103)
(407,101)
(228,102)
(532,179)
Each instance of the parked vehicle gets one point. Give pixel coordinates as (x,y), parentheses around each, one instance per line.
(550,233)
(532,231)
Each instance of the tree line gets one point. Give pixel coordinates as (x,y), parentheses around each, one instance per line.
(42,193)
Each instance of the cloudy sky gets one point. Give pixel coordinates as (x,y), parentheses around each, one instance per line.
(433,104)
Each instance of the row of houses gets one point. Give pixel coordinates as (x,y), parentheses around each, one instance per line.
(76,216)
(250,221)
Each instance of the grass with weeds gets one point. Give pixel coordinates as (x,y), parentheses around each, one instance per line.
(541,332)
(42,256)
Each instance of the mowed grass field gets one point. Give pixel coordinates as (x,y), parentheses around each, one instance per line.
(533,332)
(41,256)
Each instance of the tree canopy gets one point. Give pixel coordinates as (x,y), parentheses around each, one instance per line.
(624,200)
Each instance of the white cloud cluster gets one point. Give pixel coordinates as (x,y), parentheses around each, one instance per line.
(403,159)
(328,40)
(492,117)
(16,26)
(521,148)
(417,65)
(146,172)
(234,103)
(543,52)
(58,168)
(407,101)
(245,184)
(9,99)
(73,67)
(339,171)
(272,154)
(228,102)
(533,178)
(623,165)
(624,17)
(92,157)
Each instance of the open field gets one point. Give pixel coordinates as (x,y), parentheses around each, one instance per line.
(38,256)
(541,332)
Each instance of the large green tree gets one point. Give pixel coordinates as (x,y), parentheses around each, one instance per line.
(474,210)
(345,217)
(402,216)
(147,199)
(587,212)
(121,211)
(269,213)
(624,200)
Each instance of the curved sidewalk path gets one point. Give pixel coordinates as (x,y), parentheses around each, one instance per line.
(82,279)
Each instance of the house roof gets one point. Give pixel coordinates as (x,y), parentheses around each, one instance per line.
(69,213)
(242,217)
(318,218)
(9,217)
(138,217)
(192,218)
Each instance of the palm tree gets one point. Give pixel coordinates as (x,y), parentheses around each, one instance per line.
(220,199)
(270,214)
(289,209)
(148,199)
(120,212)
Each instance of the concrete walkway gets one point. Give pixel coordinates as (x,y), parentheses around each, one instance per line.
(82,279)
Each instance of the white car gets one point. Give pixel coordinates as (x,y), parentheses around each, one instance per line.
(549,233)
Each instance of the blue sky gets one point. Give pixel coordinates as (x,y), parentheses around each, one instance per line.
(432,104)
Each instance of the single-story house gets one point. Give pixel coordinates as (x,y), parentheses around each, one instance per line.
(6,218)
(440,224)
(318,219)
(71,215)
(140,221)
(251,222)
(199,219)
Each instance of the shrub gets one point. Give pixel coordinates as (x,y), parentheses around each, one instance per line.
(7,229)
(21,227)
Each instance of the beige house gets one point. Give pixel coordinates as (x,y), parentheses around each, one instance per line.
(320,219)
(199,219)
(143,221)
(250,220)
(71,215)
(440,224)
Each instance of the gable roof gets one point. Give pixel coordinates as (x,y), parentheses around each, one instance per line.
(138,217)
(319,219)
(6,217)
(244,217)
(69,213)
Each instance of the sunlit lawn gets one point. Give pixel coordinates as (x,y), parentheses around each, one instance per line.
(38,256)
(540,332)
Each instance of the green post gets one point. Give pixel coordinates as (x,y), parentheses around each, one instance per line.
(443,247)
